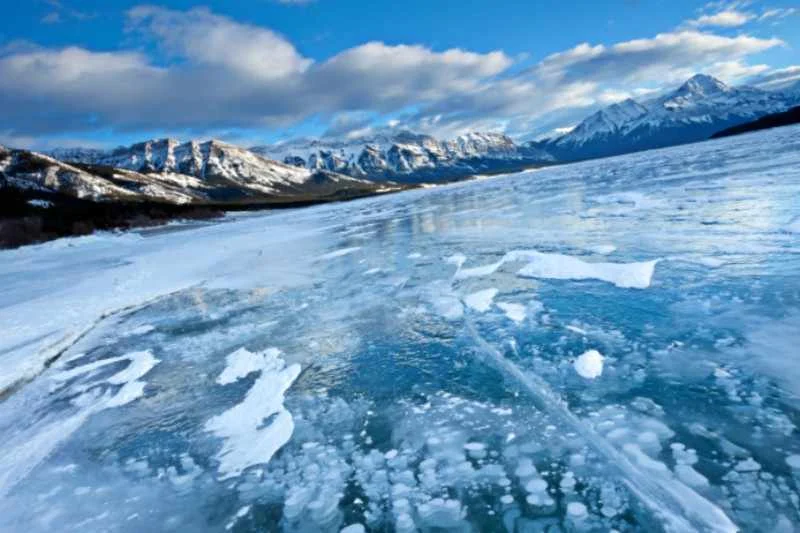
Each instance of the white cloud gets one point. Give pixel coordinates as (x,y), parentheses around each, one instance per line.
(724,19)
(222,74)
(225,74)
(212,40)
(667,57)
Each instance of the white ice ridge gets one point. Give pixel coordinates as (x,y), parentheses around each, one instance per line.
(680,507)
(30,447)
(247,441)
(558,266)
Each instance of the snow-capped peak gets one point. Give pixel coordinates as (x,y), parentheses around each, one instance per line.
(703,85)
(700,107)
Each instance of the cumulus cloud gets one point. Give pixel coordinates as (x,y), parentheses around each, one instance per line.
(224,74)
(214,41)
(221,74)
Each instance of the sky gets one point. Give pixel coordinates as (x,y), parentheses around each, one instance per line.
(101,73)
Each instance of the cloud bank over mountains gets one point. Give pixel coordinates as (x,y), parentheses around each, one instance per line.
(200,71)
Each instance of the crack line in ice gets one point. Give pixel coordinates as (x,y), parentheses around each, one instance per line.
(246,442)
(677,504)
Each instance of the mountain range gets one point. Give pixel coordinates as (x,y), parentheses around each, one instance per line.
(410,157)
(167,171)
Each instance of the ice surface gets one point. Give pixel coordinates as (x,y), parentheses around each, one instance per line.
(152,380)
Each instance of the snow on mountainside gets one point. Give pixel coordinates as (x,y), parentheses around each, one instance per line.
(700,107)
(168,171)
(408,156)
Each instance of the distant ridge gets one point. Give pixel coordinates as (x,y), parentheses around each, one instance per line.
(775,120)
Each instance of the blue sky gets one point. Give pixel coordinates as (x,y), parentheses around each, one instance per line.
(106,72)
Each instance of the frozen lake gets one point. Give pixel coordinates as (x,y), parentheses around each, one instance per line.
(610,345)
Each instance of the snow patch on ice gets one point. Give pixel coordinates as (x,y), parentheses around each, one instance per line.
(481,301)
(558,266)
(637,275)
(515,312)
(246,442)
(243,362)
(589,365)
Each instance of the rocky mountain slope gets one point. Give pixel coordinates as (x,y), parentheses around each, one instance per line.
(695,111)
(167,171)
(410,157)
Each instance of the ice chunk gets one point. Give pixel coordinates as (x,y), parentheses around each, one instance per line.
(482,300)
(353,528)
(589,365)
(247,443)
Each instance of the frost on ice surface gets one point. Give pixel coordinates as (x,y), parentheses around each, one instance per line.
(440,393)
(589,365)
